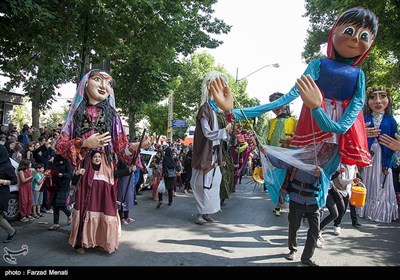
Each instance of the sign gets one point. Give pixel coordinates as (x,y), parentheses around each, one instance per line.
(178,123)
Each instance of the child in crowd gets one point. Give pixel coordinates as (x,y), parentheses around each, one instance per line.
(37,191)
(25,177)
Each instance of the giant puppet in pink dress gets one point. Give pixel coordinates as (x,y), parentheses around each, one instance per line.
(333,93)
(93,124)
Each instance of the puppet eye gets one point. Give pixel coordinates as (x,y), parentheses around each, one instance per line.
(365,36)
(349,30)
(382,95)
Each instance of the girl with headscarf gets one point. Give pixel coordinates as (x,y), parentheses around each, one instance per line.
(7,178)
(94,124)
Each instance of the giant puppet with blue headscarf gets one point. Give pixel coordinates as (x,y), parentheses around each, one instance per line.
(333,93)
(93,124)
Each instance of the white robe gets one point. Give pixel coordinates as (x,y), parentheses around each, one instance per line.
(208,200)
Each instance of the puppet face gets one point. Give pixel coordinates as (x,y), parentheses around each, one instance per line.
(378,101)
(96,159)
(350,41)
(99,87)
(279,111)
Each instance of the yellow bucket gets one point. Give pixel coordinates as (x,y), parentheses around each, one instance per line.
(358,195)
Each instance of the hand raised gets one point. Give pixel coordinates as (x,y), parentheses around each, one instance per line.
(309,92)
(222,94)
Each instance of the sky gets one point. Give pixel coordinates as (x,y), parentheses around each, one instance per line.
(263,32)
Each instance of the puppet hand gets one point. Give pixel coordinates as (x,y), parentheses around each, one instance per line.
(97,140)
(372,132)
(147,141)
(309,92)
(390,142)
(222,94)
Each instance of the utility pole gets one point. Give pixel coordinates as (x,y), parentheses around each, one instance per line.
(170,116)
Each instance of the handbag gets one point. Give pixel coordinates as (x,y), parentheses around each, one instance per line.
(171,172)
(161,187)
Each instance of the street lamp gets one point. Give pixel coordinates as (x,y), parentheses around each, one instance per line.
(275,65)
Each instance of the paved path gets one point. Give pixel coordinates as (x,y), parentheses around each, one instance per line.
(247,233)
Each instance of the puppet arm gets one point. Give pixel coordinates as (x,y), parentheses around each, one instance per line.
(350,114)
(213,135)
(251,112)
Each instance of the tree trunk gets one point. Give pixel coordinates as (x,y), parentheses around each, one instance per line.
(35,113)
(132,128)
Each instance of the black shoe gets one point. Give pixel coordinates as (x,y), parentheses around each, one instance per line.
(135,202)
(10,237)
(159,204)
(291,256)
(169,204)
(309,262)
(356,224)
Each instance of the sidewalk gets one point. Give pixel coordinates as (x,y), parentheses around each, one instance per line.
(247,233)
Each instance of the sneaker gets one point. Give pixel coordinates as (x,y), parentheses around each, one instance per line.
(169,204)
(291,256)
(207,218)
(356,224)
(277,212)
(24,220)
(159,204)
(49,211)
(124,222)
(129,220)
(10,237)
(336,230)
(200,221)
(309,262)
(185,191)
(30,218)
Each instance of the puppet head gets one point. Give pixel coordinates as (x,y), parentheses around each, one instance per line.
(225,102)
(352,35)
(82,92)
(379,100)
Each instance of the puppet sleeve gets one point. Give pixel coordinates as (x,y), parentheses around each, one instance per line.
(213,135)
(350,114)
(251,112)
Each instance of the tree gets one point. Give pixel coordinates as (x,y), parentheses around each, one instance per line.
(47,43)
(382,65)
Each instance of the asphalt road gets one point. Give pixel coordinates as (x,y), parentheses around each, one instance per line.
(246,234)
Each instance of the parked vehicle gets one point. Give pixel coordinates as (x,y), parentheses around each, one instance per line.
(147,157)
(12,213)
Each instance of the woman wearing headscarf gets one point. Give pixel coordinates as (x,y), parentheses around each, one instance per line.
(169,169)
(93,124)
(59,199)
(7,178)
